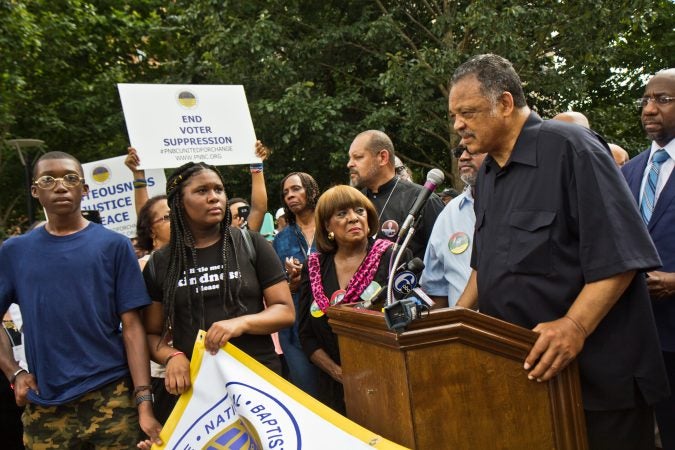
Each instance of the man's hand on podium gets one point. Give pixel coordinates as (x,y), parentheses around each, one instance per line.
(559,342)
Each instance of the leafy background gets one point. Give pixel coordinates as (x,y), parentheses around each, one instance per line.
(315,73)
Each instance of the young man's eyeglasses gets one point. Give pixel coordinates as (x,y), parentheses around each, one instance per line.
(661,100)
(164,218)
(70,180)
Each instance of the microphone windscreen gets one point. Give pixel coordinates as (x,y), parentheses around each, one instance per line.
(436,176)
(415,265)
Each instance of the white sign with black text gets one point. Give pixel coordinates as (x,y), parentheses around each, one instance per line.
(170,125)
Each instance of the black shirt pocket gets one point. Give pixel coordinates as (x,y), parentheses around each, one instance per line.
(530,249)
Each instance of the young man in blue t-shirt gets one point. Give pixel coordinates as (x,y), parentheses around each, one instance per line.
(75,282)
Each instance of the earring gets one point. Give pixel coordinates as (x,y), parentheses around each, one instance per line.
(331,236)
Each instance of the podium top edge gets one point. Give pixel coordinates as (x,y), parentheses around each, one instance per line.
(450,317)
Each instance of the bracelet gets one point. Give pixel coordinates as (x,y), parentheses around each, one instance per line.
(14,375)
(140,183)
(579,326)
(138,389)
(171,356)
(145,398)
(256,167)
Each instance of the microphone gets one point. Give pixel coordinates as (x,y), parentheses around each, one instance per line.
(406,277)
(369,295)
(434,178)
(410,301)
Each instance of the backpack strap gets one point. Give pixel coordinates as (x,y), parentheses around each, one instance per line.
(151,268)
(248,243)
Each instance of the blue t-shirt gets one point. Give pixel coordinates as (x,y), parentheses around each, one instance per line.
(72,291)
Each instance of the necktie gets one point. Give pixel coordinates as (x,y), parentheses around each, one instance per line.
(649,194)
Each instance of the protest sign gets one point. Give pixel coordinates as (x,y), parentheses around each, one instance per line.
(237,403)
(170,125)
(111,192)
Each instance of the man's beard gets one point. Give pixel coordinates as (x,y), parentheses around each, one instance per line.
(470,178)
(361,182)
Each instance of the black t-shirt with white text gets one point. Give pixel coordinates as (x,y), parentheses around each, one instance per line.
(206,278)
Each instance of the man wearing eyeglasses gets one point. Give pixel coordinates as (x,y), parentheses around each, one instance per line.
(652,182)
(448,253)
(76,282)
(558,248)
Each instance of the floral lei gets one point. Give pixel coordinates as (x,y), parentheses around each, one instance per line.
(362,278)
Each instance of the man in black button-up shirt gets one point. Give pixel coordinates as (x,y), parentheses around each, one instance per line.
(371,169)
(560,248)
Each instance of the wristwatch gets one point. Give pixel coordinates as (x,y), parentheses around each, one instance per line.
(145,398)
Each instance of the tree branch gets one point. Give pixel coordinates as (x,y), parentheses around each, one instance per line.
(431,9)
(444,140)
(403,35)
(365,49)
(427,31)
(449,177)
(8,211)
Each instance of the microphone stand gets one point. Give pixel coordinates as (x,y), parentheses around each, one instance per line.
(392,270)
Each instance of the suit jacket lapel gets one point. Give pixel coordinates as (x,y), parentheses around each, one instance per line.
(665,198)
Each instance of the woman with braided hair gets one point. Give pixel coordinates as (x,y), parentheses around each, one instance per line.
(211,276)
(293,244)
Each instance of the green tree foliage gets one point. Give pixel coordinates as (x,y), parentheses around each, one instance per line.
(59,81)
(645,45)
(317,73)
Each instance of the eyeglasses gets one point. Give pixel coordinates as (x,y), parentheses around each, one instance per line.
(164,218)
(661,100)
(457,152)
(70,180)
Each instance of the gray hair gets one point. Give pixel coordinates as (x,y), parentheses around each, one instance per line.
(495,74)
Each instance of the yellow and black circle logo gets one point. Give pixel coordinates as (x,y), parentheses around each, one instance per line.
(187,99)
(100,174)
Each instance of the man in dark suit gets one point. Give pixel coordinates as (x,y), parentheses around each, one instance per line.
(652,182)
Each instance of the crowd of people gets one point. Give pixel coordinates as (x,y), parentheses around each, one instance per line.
(555,231)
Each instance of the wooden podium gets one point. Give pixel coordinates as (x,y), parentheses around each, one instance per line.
(454,380)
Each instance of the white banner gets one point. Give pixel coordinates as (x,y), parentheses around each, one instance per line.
(237,403)
(172,124)
(111,192)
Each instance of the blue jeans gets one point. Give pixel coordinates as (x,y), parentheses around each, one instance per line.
(302,372)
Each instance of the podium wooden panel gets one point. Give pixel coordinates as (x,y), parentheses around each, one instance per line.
(455,380)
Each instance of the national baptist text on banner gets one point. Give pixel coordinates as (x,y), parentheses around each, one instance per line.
(237,403)
(111,192)
(170,125)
